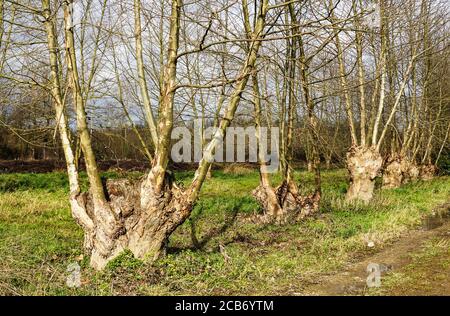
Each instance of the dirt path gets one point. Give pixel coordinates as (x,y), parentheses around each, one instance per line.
(395,259)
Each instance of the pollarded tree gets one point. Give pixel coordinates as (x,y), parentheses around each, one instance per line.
(140,215)
(364,159)
(423,121)
(285,202)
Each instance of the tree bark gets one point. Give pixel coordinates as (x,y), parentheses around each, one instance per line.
(364,165)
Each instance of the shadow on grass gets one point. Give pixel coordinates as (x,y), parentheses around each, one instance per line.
(199,244)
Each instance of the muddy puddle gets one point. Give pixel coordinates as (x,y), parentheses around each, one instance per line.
(437,218)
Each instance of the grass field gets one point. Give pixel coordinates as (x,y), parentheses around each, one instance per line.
(39,239)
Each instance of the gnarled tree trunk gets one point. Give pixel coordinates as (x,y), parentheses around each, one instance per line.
(393,175)
(363,164)
(411,171)
(399,170)
(284,203)
(427,172)
(135,217)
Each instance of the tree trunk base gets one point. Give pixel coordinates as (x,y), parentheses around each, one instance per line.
(135,217)
(284,204)
(427,172)
(399,170)
(364,165)
(411,171)
(393,175)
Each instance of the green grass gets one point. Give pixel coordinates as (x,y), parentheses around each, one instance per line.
(39,239)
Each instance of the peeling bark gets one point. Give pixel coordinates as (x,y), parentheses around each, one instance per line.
(136,217)
(364,165)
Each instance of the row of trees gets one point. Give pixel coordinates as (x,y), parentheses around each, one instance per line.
(361,77)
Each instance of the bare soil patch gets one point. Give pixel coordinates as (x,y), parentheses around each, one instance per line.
(395,258)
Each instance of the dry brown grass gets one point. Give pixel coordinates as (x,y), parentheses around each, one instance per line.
(238,169)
